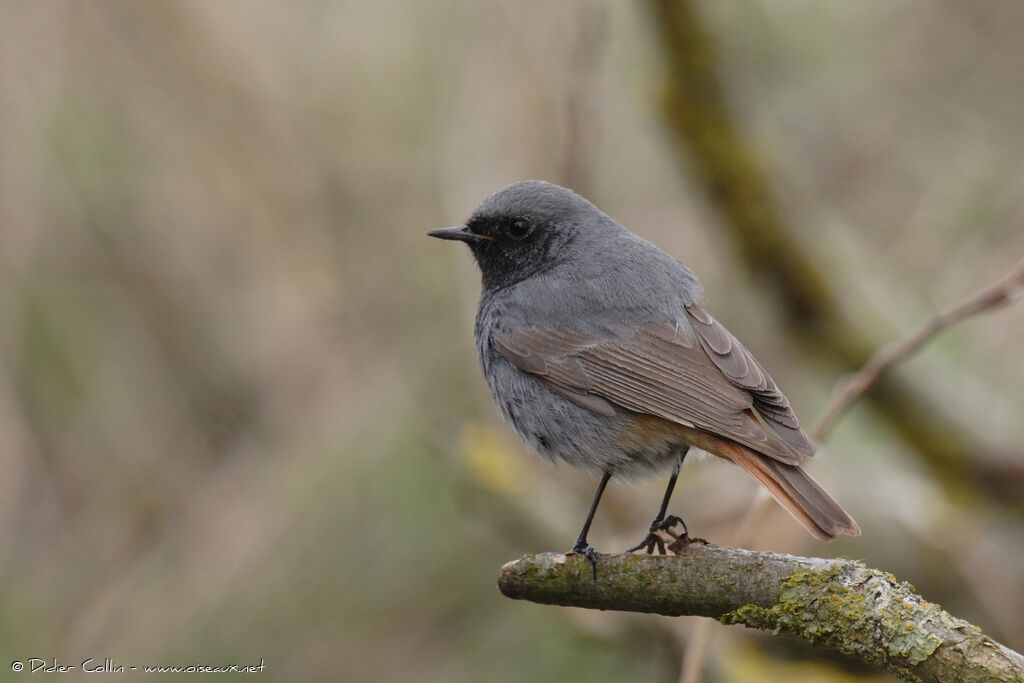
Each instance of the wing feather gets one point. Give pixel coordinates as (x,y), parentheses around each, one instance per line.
(706,380)
(743,370)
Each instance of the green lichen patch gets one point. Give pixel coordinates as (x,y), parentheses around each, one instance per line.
(858,611)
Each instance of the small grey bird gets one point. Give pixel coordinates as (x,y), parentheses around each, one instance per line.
(597,352)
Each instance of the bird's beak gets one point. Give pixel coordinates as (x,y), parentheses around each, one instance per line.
(457,232)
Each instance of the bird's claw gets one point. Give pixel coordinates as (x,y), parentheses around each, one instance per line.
(654,540)
(587,551)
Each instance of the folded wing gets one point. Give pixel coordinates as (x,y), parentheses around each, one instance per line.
(707,380)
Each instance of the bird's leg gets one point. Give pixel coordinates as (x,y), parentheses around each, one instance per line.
(661,522)
(582,546)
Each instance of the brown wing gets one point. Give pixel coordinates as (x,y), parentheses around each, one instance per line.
(658,371)
(743,370)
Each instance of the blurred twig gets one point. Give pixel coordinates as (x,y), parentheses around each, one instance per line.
(856,385)
(580,109)
(839,604)
(850,390)
(708,141)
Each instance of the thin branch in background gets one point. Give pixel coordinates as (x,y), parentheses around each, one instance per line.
(695,651)
(580,107)
(884,359)
(833,603)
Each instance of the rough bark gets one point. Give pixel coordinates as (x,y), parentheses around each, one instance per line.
(835,603)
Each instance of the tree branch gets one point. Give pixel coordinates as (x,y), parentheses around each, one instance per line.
(854,387)
(841,604)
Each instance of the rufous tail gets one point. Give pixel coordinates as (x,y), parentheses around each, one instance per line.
(796,491)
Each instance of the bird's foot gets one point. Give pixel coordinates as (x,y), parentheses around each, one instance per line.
(587,550)
(654,539)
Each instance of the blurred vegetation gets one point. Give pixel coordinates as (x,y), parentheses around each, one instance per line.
(240,411)
(696,112)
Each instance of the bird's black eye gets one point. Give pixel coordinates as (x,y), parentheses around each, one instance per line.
(519,228)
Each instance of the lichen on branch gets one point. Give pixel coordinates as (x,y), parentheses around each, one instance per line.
(835,603)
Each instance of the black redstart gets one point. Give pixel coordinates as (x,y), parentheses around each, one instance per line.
(596,350)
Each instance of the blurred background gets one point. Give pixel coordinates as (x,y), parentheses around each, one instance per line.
(241,416)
